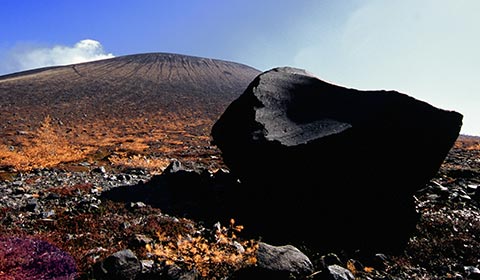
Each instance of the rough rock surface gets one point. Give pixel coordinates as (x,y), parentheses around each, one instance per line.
(120,265)
(337,160)
(278,262)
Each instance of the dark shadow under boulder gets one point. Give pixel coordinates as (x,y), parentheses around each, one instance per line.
(193,193)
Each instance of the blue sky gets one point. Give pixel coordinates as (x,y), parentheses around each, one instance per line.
(429,49)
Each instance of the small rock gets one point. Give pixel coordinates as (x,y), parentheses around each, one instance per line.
(142,240)
(48,214)
(176,273)
(53,196)
(122,265)
(147,266)
(472,272)
(17,184)
(100,169)
(336,272)
(32,205)
(471,187)
(136,205)
(277,262)
(329,259)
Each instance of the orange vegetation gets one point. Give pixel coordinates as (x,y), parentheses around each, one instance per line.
(207,257)
(470,143)
(47,148)
(148,143)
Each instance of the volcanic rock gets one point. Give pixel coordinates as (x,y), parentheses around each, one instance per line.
(331,165)
(277,262)
(120,265)
(336,272)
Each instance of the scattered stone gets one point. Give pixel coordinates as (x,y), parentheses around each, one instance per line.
(27,186)
(472,187)
(448,194)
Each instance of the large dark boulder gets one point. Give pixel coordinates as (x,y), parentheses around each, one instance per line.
(328,165)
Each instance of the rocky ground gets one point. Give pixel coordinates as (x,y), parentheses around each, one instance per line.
(54,222)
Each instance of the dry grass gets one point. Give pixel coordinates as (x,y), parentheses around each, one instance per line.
(148,143)
(212,258)
(475,147)
(47,148)
(154,165)
(468,143)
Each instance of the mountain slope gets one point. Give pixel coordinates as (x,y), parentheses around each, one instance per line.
(147,82)
(110,101)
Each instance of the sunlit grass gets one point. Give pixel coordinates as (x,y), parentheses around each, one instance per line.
(47,148)
(148,143)
(211,258)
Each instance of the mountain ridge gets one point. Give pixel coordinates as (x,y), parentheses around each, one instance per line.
(147,54)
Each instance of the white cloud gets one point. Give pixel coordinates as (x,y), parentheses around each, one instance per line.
(29,57)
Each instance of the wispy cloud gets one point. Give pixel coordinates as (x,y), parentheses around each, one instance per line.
(29,57)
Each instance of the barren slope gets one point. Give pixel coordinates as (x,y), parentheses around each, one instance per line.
(125,86)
